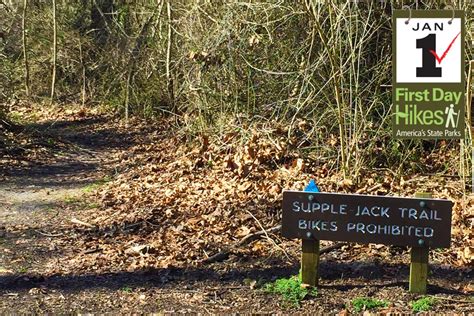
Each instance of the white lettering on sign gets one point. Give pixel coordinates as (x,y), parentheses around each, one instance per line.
(415,214)
(342,209)
(395,230)
(372,211)
(313,207)
(317,225)
(359,218)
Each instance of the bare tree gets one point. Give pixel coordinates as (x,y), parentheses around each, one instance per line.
(53,79)
(25,55)
(135,54)
(83,86)
(169,79)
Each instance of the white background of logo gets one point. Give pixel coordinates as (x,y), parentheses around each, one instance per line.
(408,57)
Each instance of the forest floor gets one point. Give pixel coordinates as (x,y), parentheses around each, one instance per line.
(96,216)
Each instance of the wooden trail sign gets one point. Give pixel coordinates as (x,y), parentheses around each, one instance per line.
(420,222)
(367,219)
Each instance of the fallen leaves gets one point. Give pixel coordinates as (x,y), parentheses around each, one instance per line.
(175,203)
(4,271)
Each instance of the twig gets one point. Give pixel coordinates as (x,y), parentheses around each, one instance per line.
(267,71)
(88,251)
(224,254)
(151,224)
(48,234)
(77,221)
(266,234)
(331,248)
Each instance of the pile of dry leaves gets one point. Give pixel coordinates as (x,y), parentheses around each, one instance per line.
(172,203)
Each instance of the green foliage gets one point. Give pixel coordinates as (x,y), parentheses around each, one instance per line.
(365,303)
(290,289)
(71,199)
(95,185)
(91,187)
(15,117)
(92,205)
(423,304)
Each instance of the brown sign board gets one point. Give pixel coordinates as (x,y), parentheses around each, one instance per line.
(367,219)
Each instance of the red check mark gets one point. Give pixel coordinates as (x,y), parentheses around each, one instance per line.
(440,59)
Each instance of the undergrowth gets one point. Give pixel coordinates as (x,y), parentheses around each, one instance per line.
(423,304)
(318,68)
(291,290)
(366,303)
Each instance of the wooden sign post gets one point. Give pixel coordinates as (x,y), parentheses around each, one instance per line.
(310,262)
(310,252)
(420,222)
(419,263)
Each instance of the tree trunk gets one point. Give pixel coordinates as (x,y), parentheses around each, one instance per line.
(53,79)
(133,60)
(83,86)
(169,79)
(25,56)
(100,18)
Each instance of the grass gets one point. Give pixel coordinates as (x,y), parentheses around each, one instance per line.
(16,117)
(127,289)
(365,303)
(23,269)
(80,203)
(23,118)
(423,304)
(291,290)
(92,205)
(93,186)
(71,199)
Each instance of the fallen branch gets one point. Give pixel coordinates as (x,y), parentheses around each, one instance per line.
(266,234)
(92,250)
(331,248)
(48,234)
(224,254)
(79,222)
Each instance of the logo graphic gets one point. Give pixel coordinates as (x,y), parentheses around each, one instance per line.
(428,74)
(429,51)
(410,115)
(428,68)
(450,116)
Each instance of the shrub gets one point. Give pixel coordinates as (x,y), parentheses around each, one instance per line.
(364,303)
(423,304)
(290,289)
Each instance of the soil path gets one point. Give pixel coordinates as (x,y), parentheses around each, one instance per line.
(36,195)
(38,198)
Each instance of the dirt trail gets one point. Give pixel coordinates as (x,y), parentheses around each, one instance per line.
(38,198)
(35,194)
